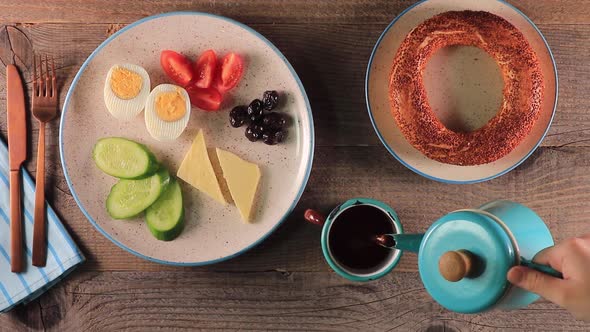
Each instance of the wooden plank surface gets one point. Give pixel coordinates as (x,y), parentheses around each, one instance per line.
(284,283)
(325,53)
(554,182)
(309,301)
(261,11)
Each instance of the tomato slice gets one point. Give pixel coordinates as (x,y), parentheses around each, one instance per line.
(177,67)
(205,69)
(230,72)
(207,99)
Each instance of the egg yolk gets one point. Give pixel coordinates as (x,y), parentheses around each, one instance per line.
(125,83)
(170,106)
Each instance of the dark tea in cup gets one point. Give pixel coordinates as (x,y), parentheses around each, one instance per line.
(351,238)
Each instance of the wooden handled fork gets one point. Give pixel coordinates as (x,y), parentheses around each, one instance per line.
(44,110)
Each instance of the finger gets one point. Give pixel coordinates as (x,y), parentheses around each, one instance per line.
(552,256)
(539,283)
(555,256)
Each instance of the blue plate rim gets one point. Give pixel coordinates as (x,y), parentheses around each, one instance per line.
(311,131)
(399,159)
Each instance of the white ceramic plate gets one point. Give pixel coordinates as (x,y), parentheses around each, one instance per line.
(213,232)
(464,87)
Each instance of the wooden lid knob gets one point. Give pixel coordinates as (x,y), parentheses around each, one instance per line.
(455,265)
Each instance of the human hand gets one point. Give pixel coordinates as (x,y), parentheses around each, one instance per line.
(572,258)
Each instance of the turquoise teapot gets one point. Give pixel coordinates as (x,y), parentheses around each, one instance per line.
(463,257)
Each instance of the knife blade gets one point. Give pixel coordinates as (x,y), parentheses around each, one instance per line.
(17,153)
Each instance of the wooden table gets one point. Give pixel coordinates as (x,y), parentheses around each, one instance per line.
(284,283)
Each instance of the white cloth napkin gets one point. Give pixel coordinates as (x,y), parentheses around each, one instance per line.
(62,253)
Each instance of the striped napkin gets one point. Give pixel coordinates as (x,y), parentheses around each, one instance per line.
(62,255)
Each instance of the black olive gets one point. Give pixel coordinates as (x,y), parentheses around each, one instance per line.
(273,137)
(274,121)
(255,110)
(280,135)
(258,128)
(238,116)
(252,134)
(270,100)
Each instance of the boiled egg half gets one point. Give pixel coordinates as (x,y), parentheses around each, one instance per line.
(167,111)
(126,90)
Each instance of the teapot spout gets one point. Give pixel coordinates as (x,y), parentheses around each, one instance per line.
(403,242)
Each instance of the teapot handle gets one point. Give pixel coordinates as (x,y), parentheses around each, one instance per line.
(540,267)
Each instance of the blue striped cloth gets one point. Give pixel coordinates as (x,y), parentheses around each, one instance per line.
(62,255)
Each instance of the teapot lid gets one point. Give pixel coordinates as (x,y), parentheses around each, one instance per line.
(463,261)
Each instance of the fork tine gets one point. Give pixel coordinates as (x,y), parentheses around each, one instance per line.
(41,81)
(35,88)
(53,79)
(47,88)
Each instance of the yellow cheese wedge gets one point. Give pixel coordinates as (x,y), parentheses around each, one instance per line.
(196,169)
(242,179)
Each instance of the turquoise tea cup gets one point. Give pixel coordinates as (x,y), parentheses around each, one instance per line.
(463,257)
(377,262)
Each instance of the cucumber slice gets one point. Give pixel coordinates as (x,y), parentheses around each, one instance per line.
(129,198)
(124,158)
(165,218)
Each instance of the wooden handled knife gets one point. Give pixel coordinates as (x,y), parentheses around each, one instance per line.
(17,152)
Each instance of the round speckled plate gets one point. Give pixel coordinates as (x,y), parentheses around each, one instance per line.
(464,87)
(213,232)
